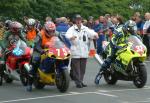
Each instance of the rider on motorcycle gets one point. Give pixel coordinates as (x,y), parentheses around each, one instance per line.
(43,37)
(14,33)
(120,36)
(30,31)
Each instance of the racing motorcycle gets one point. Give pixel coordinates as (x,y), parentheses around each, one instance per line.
(1,67)
(129,63)
(53,69)
(17,62)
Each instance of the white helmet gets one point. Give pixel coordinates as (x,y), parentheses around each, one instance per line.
(31,22)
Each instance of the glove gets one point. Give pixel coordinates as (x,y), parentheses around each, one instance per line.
(44,52)
(118,47)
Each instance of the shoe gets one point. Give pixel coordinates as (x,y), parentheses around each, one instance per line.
(79,86)
(84,85)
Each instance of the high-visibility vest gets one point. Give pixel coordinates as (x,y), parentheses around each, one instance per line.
(31,35)
(44,38)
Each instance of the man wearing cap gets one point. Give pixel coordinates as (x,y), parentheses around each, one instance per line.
(79,36)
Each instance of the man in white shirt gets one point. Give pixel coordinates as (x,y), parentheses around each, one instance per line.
(146,32)
(79,36)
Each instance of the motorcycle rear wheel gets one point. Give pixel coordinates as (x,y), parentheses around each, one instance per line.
(62,80)
(141,78)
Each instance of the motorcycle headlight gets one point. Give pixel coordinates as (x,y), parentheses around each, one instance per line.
(17,52)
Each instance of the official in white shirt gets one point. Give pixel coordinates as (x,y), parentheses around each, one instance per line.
(79,36)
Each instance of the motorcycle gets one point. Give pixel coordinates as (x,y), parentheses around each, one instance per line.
(16,66)
(1,67)
(129,63)
(53,69)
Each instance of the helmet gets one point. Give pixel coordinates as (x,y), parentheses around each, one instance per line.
(15,27)
(31,22)
(49,28)
(7,23)
(130,26)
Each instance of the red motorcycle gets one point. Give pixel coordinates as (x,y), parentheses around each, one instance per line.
(17,63)
(1,65)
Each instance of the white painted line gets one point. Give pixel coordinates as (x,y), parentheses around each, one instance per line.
(109,95)
(148,101)
(27,99)
(103,90)
(54,96)
(121,90)
(74,92)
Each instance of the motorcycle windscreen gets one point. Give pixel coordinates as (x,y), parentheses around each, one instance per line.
(137,44)
(21,49)
(57,48)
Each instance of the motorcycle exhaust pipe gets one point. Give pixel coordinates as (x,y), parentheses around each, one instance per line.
(98,59)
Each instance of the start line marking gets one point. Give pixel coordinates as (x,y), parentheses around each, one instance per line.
(54,96)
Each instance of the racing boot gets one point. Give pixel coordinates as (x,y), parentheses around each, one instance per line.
(103,68)
(29,88)
(98,77)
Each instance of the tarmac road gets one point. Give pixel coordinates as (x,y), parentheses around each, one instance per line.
(122,92)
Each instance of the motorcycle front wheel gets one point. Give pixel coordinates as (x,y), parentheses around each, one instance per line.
(7,78)
(62,80)
(110,77)
(24,77)
(37,83)
(1,75)
(141,77)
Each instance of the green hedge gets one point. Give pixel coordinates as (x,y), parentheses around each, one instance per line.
(16,9)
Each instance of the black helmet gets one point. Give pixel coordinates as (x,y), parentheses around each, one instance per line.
(7,23)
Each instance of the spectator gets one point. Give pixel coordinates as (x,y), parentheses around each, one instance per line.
(117,21)
(90,22)
(62,28)
(48,19)
(79,37)
(107,25)
(100,31)
(139,23)
(146,31)
(85,22)
(96,28)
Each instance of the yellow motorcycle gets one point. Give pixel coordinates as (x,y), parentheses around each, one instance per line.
(129,63)
(53,69)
